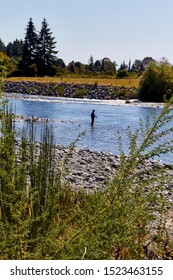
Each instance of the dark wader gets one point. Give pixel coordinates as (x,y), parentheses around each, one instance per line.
(92,118)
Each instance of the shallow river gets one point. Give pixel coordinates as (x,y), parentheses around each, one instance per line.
(70,117)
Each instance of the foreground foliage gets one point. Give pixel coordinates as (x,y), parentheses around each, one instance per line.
(41,217)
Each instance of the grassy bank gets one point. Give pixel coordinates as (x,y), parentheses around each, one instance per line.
(81,80)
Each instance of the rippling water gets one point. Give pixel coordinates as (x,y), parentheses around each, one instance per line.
(70,117)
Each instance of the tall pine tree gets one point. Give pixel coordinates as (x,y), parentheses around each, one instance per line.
(2,47)
(14,49)
(46,54)
(29,50)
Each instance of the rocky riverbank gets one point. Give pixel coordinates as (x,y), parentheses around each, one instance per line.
(91,170)
(89,91)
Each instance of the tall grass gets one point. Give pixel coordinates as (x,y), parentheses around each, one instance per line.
(41,217)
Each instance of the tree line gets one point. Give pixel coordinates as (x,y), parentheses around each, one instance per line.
(36,55)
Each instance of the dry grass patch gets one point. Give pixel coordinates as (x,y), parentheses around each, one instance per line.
(80,80)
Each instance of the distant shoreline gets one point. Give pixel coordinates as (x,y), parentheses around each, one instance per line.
(70,90)
(113,95)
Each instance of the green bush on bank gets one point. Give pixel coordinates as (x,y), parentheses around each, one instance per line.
(156,82)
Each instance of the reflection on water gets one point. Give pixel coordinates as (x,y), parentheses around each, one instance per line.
(70,117)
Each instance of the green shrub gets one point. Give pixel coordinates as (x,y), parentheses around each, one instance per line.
(59,89)
(156,83)
(80,92)
(122,74)
(125,93)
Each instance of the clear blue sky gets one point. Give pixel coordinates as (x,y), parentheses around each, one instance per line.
(117,29)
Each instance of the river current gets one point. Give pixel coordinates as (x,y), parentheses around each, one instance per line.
(70,117)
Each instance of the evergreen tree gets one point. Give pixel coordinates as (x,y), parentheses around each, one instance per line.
(91,64)
(46,59)
(129,66)
(123,66)
(14,49)
(29,48)
(2,47)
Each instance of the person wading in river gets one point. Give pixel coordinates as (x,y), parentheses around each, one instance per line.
(93,116)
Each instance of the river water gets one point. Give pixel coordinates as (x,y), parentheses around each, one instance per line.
(70,117)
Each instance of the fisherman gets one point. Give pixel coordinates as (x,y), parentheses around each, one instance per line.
(93,116)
